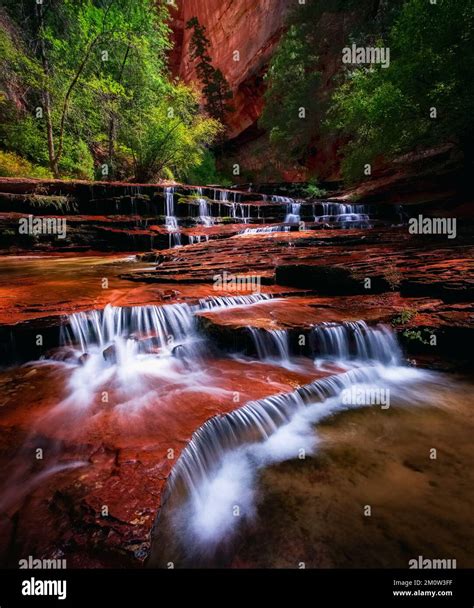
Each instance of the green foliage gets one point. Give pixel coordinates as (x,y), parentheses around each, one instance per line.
(387,111)
(296,96)
(12,165)
(206,172)
(313,190)
(289,131)
(215,88)
(172,134)
(98,71)
(422,336)
(404,317)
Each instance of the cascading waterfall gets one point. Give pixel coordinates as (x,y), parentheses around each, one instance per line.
(293,213)
(197,238)
(216,473)
(123,333)
(271,344)
(171,220)
(153,326)
(213,302)
(344,215)
(238,212)
(121,346)
(282,199)
(205,215)
(293,208)
(355,340)
(340,342)
(341,209)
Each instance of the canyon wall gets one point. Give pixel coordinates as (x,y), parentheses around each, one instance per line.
(254,28)
(251,27)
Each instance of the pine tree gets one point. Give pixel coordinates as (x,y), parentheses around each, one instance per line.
(215,88)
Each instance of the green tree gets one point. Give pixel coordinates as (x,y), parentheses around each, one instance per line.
(215,88)
(425,98)
(297,95)
(97,70)
(171,135)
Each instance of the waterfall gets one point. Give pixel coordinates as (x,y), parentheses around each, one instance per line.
(213,302)
(205,214)
(345,216)
(355,340)
(238,212)
(271,345)
(171,220)
(340,209)
(155,326)
(197,238)
(293,208)
(293,213)
(341,342)
(140,328)
(217,472)
(282,199)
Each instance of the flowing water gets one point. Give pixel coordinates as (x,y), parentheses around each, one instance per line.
(171,220)
(142,371)
(205,213)
(342,215)
(293,213)
(213,489)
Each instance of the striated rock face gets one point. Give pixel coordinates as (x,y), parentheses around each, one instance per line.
(249,27)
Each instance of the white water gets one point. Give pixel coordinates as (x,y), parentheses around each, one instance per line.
(205,214)
(341,209)
(171,220)
(271,345)
(293,213)
(213,302)
(265,229)
(198,238)
(155,326)
(240,212)
(218,470)
(122,346)
(354,340)
(282,199)
(345,216)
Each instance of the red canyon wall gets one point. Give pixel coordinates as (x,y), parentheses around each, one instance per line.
(251,27)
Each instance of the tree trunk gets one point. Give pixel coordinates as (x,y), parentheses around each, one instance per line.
(112,138)
(53,163)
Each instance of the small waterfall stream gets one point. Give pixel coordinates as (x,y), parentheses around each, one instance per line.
(271,345)
(205,214)
(355,340)
(171,220)
(293,213)
(344,215)
(211,490)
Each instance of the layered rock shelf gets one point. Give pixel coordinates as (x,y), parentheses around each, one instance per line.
(138,301)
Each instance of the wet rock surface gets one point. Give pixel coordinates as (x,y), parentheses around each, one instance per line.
(106,463)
